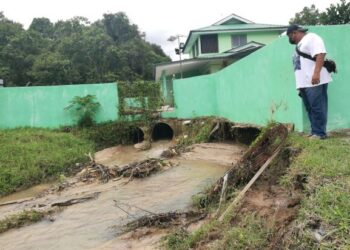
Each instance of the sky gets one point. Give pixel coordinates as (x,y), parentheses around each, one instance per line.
(160,19)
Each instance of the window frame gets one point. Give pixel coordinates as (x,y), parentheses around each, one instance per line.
(243,40)
(209,43)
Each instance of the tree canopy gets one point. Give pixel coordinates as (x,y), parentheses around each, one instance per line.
(75,51)
(335,14)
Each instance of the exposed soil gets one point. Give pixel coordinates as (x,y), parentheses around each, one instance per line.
(270,200)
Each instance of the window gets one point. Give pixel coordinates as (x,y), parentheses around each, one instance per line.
(239,40)
(209,44)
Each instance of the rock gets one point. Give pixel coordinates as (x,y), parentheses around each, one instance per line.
(187,122)
(145,145)
(168,153)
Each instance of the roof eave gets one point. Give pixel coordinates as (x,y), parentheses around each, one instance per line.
(192,32)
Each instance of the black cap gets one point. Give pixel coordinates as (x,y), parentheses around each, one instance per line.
(295,27)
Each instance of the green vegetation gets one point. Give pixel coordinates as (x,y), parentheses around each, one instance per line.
(197,131)
(85,108)
(335,14)
(21,219)
(322,167)
(251,232)
(31,156)
(181,240)
(76,51)
(139,100)
(107,134)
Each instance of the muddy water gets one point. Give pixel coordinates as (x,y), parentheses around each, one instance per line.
(26,194)
(92,224)
(121,155)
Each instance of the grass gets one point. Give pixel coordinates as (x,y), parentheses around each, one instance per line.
(181,240)
(325,169)
(251,232)
(31,156)
(197,131)
(21,219)
(106,134)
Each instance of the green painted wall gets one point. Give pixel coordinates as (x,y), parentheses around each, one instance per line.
(44,106)
(265,38)
(261,86)
(337,39)
(225,43)
(194,97)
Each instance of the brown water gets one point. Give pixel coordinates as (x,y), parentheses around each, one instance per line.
(29,193)
(121,155)
(96,223)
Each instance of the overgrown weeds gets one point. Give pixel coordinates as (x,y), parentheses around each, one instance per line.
(21,219)
(251,232)
(106,134)
(322,171)
(197,131)
(30,156)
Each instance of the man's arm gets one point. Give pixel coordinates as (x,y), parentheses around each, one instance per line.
(319,63)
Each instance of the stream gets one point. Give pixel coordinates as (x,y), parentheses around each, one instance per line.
(97,223)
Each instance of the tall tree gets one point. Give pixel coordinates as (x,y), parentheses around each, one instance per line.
(43,26)
(75,51)
(118,27)
(308,16)
(335,14)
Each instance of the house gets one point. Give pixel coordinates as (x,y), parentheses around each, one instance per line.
(217,46)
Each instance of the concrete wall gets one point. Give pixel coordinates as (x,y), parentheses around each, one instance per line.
(261,86)
(44,106)
(194,97)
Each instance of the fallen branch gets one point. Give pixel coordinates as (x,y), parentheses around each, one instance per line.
(141,169)
(96,171)
(258,153)
(165,220)
(16,201)
(75,200)
(247,187)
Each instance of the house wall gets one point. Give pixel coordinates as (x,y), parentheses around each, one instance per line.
(261,86)
(44,106)
(225,42)
(265,38)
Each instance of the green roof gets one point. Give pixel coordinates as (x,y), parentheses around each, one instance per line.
(247,27)
(231,24)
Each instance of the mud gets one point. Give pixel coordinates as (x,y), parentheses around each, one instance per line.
(96,223)
(27,194)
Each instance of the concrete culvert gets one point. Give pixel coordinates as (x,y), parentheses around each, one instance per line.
(137,135)
(221,132)
(162,131)
(246,135)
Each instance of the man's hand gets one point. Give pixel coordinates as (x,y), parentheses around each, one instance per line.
(319,63)
(315,78)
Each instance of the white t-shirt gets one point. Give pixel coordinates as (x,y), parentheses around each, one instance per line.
(310,44)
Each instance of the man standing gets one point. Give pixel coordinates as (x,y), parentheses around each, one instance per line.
(311,77)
